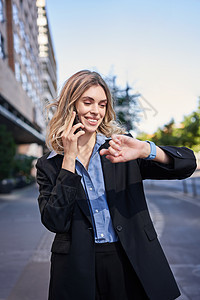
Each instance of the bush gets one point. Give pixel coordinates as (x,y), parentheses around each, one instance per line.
(22,165)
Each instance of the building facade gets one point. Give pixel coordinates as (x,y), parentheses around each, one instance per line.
(27,70)
(46,55)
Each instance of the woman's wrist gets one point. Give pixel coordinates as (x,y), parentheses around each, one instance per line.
(145,150)
(69,163)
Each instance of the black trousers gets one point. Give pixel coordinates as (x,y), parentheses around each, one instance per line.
(115,276)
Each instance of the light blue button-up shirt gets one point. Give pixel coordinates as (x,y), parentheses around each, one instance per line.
(93,183)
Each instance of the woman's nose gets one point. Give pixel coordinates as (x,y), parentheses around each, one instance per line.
(94,109)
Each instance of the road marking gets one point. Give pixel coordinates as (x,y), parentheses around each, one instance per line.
(43,251)
(157,218)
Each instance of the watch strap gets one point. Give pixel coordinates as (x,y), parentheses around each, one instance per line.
(152,154)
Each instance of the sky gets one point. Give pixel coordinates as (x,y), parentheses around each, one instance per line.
(154,45)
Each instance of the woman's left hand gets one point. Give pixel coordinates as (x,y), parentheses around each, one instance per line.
(123,148)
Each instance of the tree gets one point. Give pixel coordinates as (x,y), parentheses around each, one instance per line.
(190,130)
(125,104)
(166,135)
(7,152)
(186,134)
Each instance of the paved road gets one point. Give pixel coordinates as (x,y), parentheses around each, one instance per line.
(25,243)
(177,219)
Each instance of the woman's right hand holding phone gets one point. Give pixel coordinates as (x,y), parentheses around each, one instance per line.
(70,143)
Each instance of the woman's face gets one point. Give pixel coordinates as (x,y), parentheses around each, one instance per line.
(91,108)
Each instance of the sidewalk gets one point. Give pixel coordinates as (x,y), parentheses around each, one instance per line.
(34,280)
(25,247)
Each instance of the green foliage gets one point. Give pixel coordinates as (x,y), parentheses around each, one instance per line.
(12,164)
(121,100)
(186,134)
(143,136)
(190,131)
(7,152)
(166,135)
(22,165)
(121,117)
(126,104)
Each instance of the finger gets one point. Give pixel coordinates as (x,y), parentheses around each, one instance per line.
(70,124)
(113,159)
(80,133)
(76,126)
(72,120)
(113,151)
(110,152)
(115,145)
(104,152)
(116,138)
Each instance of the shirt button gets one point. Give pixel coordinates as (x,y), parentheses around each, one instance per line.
(119,228)
(102,235)
(90,189)
(96,210)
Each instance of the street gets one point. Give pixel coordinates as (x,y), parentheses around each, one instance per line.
(176,217)
(25,243)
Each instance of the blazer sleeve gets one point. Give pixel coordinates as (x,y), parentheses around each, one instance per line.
(183,165)
(57,193)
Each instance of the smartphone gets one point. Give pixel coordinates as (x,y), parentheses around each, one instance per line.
(77,120)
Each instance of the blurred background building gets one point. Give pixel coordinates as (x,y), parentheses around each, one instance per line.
(28,77)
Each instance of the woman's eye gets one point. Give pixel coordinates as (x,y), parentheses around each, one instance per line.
(87,103)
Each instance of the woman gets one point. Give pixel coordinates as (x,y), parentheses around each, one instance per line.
(91,196)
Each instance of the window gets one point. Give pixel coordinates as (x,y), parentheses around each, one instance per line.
(28,66)
(15,14)
(24,81)
(16,43)
(29,89)
(23,56)
(27,43)
(22,31)
(33,77)
(21,4)
(2,49)
(18,71)
(45,85)
(1,11)
(34,96)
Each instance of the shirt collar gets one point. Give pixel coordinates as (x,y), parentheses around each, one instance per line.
(100,140)
(52,154)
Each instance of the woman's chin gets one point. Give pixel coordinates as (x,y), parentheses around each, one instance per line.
(90,130)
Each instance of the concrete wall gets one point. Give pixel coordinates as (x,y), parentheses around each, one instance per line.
(13,92)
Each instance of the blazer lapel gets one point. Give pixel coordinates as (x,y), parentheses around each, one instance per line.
(83,203)
(109,180)
(81,196)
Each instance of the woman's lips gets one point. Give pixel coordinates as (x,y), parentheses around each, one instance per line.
(92,121)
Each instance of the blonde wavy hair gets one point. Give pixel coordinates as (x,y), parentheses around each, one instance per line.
(64,105)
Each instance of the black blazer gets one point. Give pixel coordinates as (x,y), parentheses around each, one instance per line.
(64,210)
